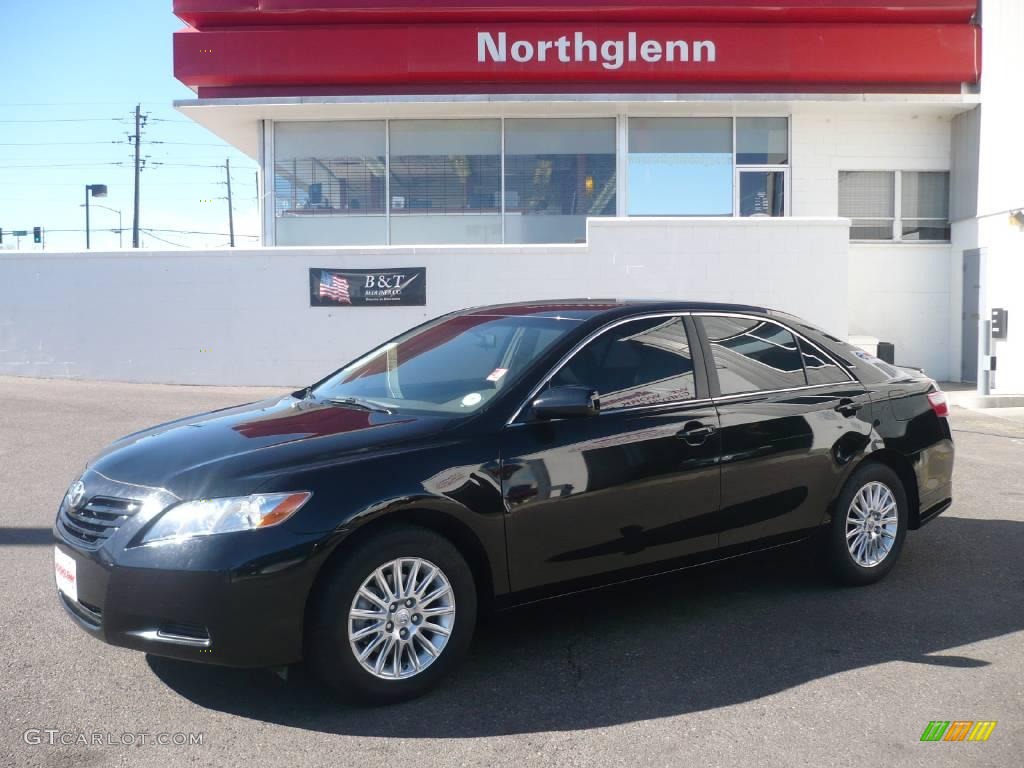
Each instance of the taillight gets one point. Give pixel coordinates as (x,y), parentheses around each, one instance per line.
(939,403)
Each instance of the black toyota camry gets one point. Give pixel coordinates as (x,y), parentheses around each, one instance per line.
(491,457)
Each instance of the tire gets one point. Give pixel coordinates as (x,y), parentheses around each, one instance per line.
(332,649)
(863,560)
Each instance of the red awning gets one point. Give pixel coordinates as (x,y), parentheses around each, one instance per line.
(206,14)
(285,47)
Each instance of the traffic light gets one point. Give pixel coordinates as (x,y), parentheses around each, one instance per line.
(37,234)
(1,237)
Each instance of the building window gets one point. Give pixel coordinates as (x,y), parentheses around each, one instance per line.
(329,183)
(557,173)
(525,180)
(762,193)
(896,205)
(924,213)
(445,181)
(762,141)
(680,166)
(762,159)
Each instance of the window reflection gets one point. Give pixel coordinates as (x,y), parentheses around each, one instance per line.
(445,181)
(557,173)
(753,355)
(819,368)
(329,183)
(334,183)
(680,166)
(762,193)
(762,140)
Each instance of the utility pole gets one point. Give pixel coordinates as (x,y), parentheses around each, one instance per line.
(137,142)
(231,212)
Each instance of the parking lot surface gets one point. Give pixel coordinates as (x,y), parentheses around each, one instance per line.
(757,662)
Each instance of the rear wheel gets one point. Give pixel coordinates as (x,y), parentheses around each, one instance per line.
(394,617)
(868,526)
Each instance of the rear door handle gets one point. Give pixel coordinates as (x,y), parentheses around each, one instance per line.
(696,433)
(848,407)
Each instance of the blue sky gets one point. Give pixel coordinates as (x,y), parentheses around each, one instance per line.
(71,73)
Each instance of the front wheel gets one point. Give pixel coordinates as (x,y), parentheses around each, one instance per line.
(868,526)
(396,614)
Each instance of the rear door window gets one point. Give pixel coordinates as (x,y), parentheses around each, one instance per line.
(753,354)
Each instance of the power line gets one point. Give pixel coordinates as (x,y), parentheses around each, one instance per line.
(60,165)
(190,143)
(156,163)
(56,143)
(196,232)
(69,120)
(147,229)
(162,240)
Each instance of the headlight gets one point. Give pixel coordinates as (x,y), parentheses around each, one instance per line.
(240,513)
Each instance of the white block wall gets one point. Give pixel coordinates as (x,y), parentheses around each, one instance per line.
(898,292)
(1001,184)
(243,316)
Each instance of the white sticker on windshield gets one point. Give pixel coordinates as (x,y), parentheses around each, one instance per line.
(471,399)
(497,373)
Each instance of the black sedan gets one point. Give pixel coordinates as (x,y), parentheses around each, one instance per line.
(487,458)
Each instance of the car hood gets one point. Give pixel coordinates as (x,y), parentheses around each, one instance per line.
(229,451)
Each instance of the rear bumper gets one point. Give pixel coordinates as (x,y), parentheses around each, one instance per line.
(222,617)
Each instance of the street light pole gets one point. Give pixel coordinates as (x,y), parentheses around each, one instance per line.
(93,190)
(120,226)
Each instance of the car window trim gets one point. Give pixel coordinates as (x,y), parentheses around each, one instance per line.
(716,389)
(598,332)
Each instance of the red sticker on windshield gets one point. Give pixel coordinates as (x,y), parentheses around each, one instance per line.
(497,373)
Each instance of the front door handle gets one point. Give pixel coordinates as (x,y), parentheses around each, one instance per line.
(695,433)
(848,407)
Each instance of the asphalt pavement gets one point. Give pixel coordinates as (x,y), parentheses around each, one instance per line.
(756,662)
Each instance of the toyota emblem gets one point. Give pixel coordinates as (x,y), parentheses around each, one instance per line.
(76,494)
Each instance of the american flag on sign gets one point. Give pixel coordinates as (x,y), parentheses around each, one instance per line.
(334,287)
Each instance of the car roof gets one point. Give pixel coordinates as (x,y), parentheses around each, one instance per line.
(587,308)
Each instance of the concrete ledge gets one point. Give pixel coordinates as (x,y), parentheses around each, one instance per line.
(966,396)
(993,401)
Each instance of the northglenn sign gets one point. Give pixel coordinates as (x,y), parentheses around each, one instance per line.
(578,48)
(563,56)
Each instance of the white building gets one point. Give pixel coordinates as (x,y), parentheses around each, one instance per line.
(850,163)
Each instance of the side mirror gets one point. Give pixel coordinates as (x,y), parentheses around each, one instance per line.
(566,402)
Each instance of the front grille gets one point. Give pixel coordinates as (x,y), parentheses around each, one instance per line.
(97,520)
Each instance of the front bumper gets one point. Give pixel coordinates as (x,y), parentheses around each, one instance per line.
(232,599)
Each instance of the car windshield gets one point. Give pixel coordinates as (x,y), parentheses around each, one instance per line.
(455,365)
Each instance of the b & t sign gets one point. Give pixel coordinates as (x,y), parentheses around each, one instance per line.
(404,286)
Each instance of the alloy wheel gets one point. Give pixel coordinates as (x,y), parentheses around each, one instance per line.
(872,522)
(401,618)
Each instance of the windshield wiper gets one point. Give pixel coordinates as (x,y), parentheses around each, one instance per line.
(357,402)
